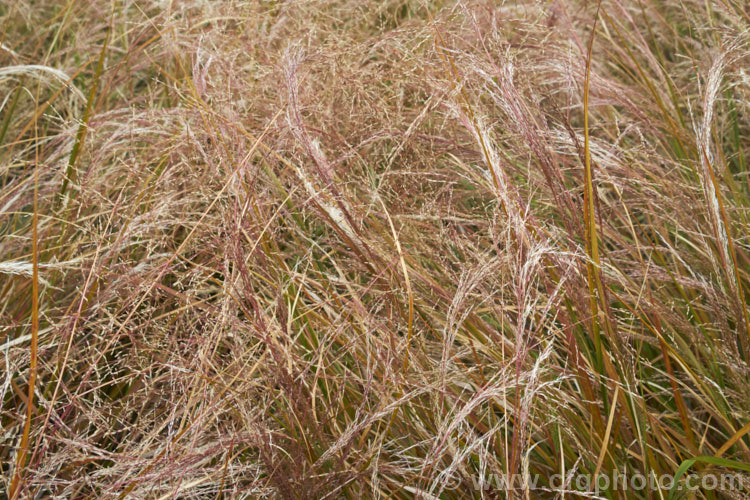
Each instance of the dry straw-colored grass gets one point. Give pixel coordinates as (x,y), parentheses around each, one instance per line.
(346,249)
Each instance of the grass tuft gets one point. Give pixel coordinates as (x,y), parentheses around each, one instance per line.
(392,249)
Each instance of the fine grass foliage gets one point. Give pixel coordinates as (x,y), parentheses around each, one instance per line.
(345,249)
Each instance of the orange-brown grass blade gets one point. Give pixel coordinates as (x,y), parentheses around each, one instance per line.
(16,484)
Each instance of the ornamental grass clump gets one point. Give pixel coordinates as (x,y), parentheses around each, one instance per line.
(392,249)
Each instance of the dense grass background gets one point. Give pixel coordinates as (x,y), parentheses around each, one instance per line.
(346,249)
